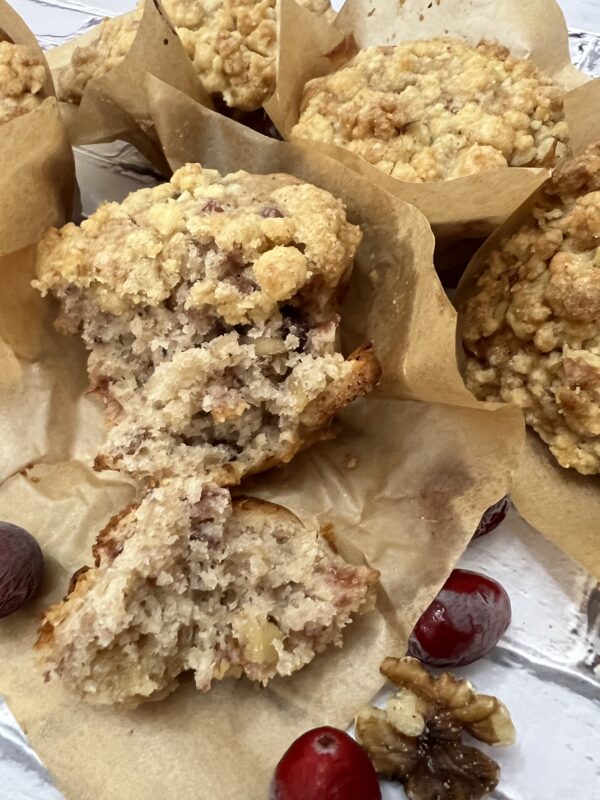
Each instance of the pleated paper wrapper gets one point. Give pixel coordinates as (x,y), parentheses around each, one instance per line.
(37,176)
(115,106)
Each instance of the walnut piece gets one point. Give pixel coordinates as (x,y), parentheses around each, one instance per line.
(417,740)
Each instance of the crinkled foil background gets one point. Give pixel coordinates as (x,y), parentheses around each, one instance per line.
(547,668)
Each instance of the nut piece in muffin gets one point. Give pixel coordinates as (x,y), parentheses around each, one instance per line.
(22,77)
(208,305)
(532,327)
(438,109)
(232,44)
(186,580)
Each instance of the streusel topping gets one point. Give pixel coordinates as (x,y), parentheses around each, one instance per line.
(22,76)
(438,109)
(533,326)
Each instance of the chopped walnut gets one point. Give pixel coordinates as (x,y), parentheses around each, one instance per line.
(418,738)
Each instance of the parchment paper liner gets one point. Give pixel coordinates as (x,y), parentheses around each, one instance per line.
(37,176)
(36,190)
(115,106)
(425,472)
(469,207)
(560,503)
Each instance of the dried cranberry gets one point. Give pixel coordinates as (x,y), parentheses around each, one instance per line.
(325,764)
(493,517)
(212,206)
(21,567)
(464,622)
(271,211)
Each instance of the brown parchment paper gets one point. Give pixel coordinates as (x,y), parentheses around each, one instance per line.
(560,503)
(469,207)
(424,473)
(37,176)
(114,106)
(36,190)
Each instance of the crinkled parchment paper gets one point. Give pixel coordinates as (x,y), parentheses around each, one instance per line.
(423,474)
(114,106)
(469,207)
(560,503)
(37,175)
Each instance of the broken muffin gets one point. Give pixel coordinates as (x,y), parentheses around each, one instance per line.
(532,326)
(22,77)
(208,305)
(438,109)
(232,44)
(188,580)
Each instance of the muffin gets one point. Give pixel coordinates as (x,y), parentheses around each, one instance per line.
(232,44)
(209,307)
(22,77)
(532,327)
(189,581)
(437,109)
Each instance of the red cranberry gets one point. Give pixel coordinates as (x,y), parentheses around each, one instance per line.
(463,623)
(493,517)
(325,764)
(21,567)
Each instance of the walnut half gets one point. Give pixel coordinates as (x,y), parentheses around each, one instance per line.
(418,738)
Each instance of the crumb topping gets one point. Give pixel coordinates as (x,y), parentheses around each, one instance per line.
(533,326)
(438,109)
(22,76)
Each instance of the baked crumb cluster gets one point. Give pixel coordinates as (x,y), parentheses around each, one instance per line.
(188,581)
(208,305)
(438,109)
(22,76)
(231,43)
(532,329)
